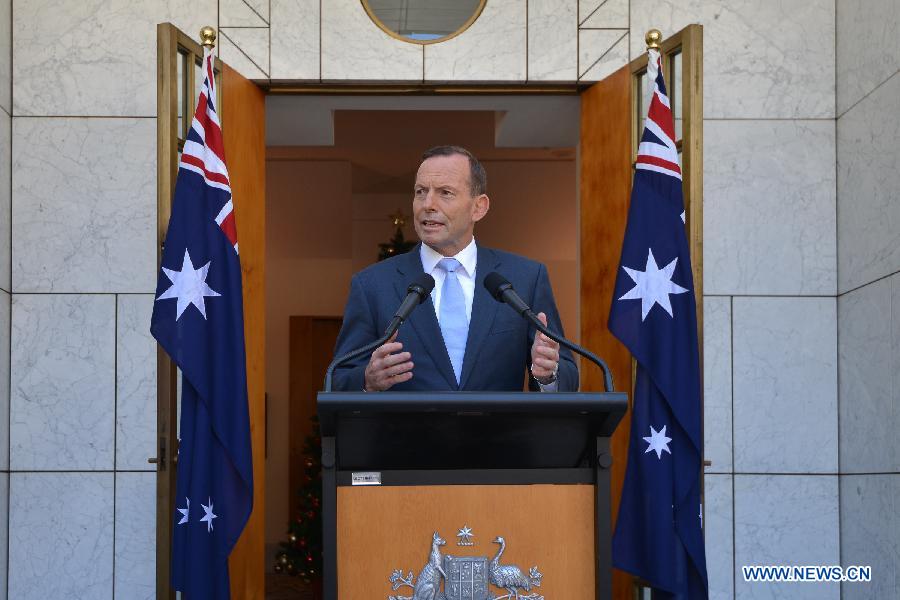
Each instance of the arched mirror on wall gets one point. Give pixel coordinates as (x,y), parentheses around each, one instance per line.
(424,21)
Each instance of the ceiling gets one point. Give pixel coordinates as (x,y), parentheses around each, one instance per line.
(536,121)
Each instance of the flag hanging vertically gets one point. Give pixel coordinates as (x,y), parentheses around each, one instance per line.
(659,534)
(198,320)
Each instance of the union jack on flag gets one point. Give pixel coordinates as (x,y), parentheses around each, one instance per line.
(657,150)
(203,332)
(659,529)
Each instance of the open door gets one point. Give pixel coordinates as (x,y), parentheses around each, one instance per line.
(612,114)
(242,112)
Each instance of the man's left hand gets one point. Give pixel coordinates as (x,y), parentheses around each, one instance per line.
(544,354)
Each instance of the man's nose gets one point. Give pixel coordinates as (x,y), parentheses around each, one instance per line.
(428,200)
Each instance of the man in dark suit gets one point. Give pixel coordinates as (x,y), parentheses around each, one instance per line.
(460,338)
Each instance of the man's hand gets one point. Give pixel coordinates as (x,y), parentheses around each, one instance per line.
(386,368)
(544,354)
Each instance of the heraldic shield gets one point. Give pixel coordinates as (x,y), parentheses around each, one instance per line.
(467,578)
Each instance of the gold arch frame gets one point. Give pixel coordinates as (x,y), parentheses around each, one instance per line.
(384,28)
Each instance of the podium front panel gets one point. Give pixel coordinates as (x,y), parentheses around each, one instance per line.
(383,529)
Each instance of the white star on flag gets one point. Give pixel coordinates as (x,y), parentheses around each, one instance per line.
(208,515)
(188,286)
(653,285)
(658,442)
(184,511)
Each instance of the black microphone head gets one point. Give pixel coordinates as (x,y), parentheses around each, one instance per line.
(421,285)
(496,284)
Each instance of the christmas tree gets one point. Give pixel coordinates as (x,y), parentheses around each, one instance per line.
(398,244)
(301,554)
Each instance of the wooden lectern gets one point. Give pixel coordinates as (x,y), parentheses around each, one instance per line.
(471,495)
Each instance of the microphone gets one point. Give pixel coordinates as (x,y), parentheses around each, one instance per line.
(502,290)
(416,293)
(418,290)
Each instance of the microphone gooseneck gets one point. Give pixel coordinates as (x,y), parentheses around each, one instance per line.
(418,290)
(502,290)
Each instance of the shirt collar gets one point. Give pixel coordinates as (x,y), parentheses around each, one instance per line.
(467,257)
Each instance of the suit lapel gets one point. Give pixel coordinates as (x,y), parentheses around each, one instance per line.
(423,319)
(484,308)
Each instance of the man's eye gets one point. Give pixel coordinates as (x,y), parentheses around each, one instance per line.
(419,192)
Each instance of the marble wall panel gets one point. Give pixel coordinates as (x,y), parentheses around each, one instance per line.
(601,52)
(135,383)
(761,59)
(4,381)
(355,48)
(61,536)
(493,48)
(769,208)
(870,533)
(895,369)
(868,47)
(5,200)
(135,537)
(4,531)
(94,57)
(786,520)
(552,41)
(868,169)
(241,13)
(718,515)
(295,39)
(785,385)
(868,438)
(62,400)
(261,7)
(6,56)
(603,13)
(717,401)
(246,50)
(83,223)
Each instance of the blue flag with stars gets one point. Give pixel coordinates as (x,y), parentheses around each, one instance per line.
(659,535)
(198,320)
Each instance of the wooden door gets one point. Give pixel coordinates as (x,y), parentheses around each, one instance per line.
(242,112)
(312,340)
(612,114)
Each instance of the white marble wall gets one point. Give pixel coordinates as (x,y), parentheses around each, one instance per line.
(868,220)
(78,157)
(512,41)
(5,283)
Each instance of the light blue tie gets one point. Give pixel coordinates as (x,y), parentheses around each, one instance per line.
(452,317)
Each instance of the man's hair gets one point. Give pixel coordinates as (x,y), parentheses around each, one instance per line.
(477,175)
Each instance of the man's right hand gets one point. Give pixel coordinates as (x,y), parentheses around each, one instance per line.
(388,366)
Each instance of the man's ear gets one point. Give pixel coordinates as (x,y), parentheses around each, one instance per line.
(482,205)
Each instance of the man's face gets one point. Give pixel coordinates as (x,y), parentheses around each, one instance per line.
(444,209)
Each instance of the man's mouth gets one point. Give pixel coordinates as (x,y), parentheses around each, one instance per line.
(431,224)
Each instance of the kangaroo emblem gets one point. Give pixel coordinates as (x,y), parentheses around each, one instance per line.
(428,584)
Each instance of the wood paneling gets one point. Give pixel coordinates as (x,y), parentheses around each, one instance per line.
(312,341)
(605,190)
(385,528)
(243,129)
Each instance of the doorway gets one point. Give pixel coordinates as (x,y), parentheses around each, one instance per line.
(340,170)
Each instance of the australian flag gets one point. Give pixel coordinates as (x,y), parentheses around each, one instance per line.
(198,320)
(659,534)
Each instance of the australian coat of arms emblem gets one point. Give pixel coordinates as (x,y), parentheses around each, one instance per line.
(446,577)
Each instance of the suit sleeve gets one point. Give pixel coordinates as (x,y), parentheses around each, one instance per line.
(357,330)
(543,301)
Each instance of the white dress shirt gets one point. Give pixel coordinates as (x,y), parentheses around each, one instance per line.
(465,273)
